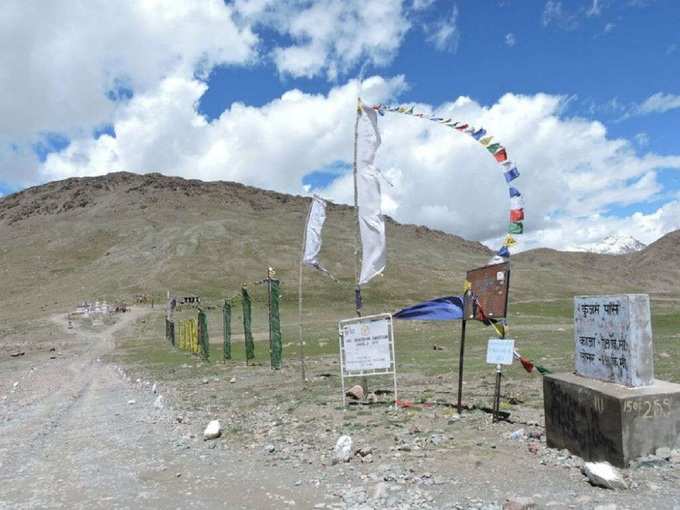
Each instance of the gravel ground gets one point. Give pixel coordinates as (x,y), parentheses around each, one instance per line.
(77,431)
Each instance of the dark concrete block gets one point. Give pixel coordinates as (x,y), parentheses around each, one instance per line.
(598,420)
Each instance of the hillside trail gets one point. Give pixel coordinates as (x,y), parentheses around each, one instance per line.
(75,433)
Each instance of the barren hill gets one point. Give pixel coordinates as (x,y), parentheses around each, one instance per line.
(120,234)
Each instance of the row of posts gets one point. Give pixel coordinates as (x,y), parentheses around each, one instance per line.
(191,335)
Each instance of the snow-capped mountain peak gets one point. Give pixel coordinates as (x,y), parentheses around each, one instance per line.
(615,245)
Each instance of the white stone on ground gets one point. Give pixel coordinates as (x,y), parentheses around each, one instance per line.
(158,403)
(603,474)
(343,449)
(213,430)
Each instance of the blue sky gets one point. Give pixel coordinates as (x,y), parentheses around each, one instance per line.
(117,95)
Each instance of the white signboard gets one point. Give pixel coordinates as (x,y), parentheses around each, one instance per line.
(367,347)
(500,351)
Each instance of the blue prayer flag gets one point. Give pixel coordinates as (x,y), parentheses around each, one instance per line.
(514,192)
(511,174)
(503,252)
(477,135)
(449,308)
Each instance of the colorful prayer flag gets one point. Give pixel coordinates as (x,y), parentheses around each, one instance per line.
(509,241)
(516,215)
(514,192)
(477,135)
(486,141)
(493,147)
(503,252)
(516,228)
(501,155)
(528,365)
(511,175)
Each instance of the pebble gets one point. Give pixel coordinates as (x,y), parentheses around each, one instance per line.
(213,430)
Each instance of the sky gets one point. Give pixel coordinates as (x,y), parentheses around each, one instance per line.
(584,94)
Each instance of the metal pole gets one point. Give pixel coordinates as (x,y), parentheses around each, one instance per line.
(497,396)
(460,367)
(301,337)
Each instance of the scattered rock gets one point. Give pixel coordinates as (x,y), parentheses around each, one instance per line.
(17,354)
(437,439)
(675,457)
(533,447)
(232,380)
(132,402)
(213,430)
(270,448)
(154,388)
(372,398)
(664,452)
(603,474)
(356,392)
(436,347)
(158,403)
(519,504)
(517,435)
(343,449)
(205,381)
(453,419)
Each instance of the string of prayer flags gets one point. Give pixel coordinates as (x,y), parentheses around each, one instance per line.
(530,365)
(495,148)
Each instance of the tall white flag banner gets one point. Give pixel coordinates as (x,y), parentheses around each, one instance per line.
(371,223)
(315,221)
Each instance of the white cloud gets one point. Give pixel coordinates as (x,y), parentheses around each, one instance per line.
(642,139)
(572,174)
(444,34)
(595,9)
(510,39)
(659,103)
(330,36)
(59,59)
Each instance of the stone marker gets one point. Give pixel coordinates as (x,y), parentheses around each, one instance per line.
(612,409)
(343,449)
(613,337)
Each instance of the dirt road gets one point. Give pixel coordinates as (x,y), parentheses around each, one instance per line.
(75,433)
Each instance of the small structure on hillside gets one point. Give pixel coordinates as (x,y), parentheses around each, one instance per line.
(189,299)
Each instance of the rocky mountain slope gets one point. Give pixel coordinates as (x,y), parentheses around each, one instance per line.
(120,234)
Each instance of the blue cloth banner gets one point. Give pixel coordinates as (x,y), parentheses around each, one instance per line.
(514,192)
(449,308)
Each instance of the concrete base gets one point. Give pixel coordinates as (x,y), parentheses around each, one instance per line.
(604,421)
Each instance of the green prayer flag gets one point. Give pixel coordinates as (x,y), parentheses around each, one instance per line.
(275,324)
(493,147)
(226,323)
(247,324)
(516,228)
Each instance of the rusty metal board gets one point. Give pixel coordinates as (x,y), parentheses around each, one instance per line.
(490,285)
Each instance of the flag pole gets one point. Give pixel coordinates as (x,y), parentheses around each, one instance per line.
(301,350)
(357,241)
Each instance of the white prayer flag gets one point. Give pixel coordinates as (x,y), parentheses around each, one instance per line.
(371,223)
(315,221)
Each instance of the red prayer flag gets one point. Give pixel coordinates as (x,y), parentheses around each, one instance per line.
(516,215)
(528,365)
(501,155)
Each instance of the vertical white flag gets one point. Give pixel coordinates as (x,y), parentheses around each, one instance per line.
(371,223)
(315,221)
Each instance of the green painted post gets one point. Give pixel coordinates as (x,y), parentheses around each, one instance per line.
(226,322)
(247,324)
(275,325)
(203,340)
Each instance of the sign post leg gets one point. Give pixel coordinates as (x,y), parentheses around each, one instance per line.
(497,394)
(460,367)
